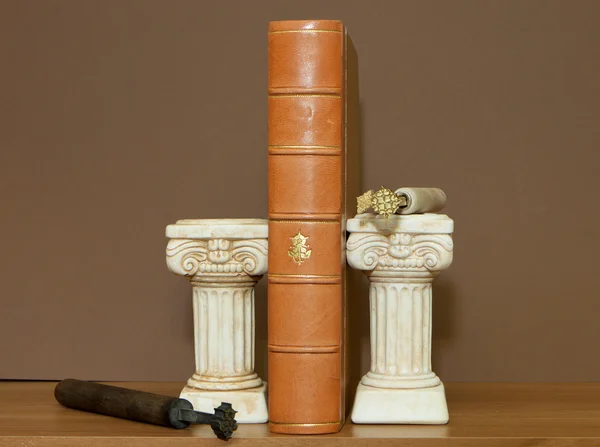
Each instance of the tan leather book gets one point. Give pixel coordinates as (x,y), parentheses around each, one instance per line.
(307,169)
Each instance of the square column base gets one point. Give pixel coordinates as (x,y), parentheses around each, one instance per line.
(250,404)
(400,406)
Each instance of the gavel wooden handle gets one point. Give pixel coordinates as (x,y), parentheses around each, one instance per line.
(122,403)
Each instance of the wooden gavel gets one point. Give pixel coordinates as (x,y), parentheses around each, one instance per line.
(141,406)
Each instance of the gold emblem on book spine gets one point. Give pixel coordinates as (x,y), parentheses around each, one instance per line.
(299,251)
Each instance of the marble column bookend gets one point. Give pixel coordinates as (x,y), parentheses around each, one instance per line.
(223,259)
(401,255)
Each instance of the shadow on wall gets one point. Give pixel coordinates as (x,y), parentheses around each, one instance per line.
(261,319)
(357,287)
(359,355)
(444,316)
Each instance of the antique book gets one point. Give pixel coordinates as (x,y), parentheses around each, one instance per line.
(307,182)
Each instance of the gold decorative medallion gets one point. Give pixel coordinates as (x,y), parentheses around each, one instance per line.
(299,251)
(385,202)
(364,202)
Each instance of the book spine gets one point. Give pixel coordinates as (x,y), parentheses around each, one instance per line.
(306,304)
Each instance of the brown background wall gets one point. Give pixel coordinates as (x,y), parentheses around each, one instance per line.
(118,118)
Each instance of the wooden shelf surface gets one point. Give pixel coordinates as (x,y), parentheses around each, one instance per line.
(481,415)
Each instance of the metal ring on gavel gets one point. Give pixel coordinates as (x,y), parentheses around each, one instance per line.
(402,201)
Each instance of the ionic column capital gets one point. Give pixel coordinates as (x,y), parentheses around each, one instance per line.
(233,249)
(202,260)
(412,245)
